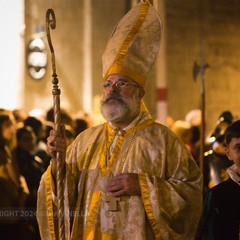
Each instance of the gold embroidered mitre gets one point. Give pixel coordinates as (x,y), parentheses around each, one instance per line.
(134,44)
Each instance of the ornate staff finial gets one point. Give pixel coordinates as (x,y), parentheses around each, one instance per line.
(51,21)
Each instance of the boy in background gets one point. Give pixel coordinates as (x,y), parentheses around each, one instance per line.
(220,219)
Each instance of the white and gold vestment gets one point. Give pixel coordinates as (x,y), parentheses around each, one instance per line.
(170,181)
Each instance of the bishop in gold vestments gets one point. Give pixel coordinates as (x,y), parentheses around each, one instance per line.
(167,202)
(170,182)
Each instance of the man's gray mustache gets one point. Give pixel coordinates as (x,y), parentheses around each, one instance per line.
(113,98)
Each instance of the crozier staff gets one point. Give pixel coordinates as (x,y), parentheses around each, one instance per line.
(131,177)
(59,157)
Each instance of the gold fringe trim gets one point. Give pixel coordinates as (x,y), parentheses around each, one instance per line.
(49,203)
(101,236)
(92,214)
(135,27)
(116,151)
(148,205)
(116,68)
(117,64)
(103,166)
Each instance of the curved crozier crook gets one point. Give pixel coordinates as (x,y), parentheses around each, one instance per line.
(51,21)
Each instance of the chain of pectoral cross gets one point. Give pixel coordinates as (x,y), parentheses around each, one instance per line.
(113,201)
(113,206)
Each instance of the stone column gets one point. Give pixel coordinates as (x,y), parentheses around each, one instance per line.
(161,112)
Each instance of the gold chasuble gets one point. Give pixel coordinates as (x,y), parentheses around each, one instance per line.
(170,181)
(170,201)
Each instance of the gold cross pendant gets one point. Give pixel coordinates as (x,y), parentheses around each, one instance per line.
(112,203)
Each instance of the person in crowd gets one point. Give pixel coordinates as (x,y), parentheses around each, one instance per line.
(216,161)
(130,177)
(80,125)
(194,118)
(223,121)
(40,147)
(20,115)
(66,117)
(220,219)
(69,134)
(183,130)
(13,187)
(31,168)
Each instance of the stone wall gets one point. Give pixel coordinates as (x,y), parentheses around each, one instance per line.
(193,29)
(209,29)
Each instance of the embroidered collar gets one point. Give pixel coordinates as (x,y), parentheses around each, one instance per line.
(133,123)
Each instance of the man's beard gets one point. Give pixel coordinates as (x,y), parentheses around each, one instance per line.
(114,108)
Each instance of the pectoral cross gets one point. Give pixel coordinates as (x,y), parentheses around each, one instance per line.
(112,203)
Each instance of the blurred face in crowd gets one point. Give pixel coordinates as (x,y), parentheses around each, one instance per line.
(121,99)
(233,152)
(8,130)
(27,141)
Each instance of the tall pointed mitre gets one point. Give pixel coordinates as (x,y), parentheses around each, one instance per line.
(134,44)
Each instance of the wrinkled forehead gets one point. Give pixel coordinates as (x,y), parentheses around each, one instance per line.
(120,77)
